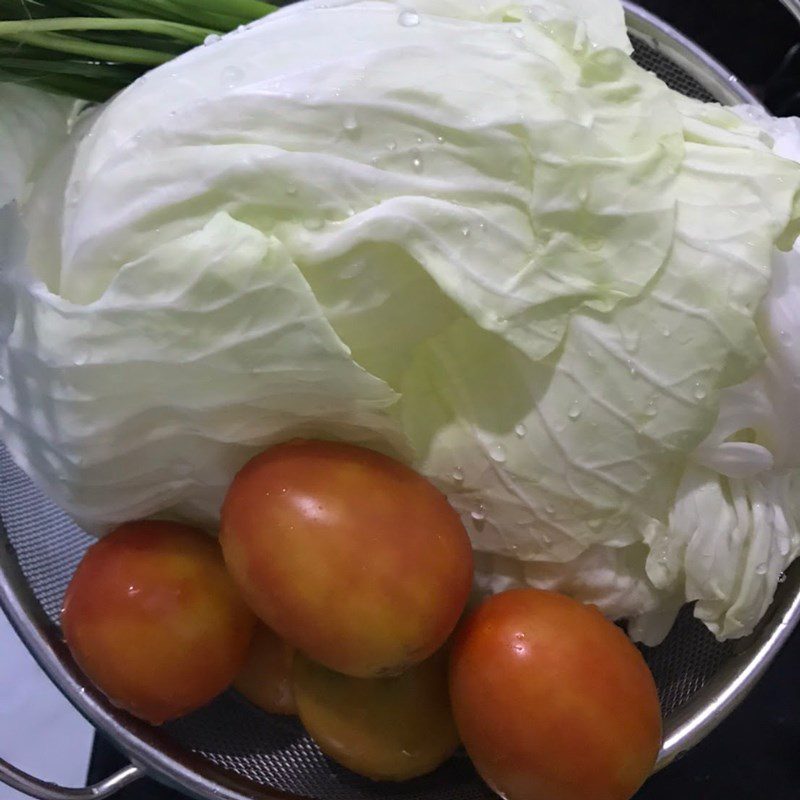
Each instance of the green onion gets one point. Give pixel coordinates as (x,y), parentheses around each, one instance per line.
(93,48)
(184,33)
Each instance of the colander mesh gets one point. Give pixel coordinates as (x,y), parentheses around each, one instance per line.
(273,751)
(673,75)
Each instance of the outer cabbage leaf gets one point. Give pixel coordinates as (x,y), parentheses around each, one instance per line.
(515,164)
(600,22)
(589,446)
(726,544)
(198,354)
(32,123)
(735,527)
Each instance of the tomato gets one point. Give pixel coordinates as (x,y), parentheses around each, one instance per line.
(348,555)
(266,677)
(154,620)
(552,700)
(383,728)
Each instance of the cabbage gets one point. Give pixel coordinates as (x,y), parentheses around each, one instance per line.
(735,526)
(474,235)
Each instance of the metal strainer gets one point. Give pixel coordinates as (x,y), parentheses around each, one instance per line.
(232,751)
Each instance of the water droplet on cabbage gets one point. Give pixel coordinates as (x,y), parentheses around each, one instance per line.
(73,193)
(520,430)
(479,514)
(574,410)
(498,453)
(699,392)
(408,19)
(231,76)
(465,231)
(517,32)
(782,577)
(761,569)
(81,357)
(416,161)
(350,123)
(630,339)
(458,475)
(498,322)
(212,38)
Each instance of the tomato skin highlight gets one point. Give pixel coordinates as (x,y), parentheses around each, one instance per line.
(349,555)
(266,676)
(154,620)
(552,700)
(389,729)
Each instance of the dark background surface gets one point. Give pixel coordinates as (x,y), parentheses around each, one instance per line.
(757,40)
(755,754)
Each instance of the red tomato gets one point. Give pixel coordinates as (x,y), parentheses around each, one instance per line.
(266,677)
(154,620)
(552,700)
(389,729)
(348,555)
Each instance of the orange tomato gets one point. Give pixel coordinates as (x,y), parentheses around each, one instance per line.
(266,677)
(348,555)
(154,620)
(383,728)
(552,700)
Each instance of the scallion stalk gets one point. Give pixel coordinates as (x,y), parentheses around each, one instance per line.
(93,48)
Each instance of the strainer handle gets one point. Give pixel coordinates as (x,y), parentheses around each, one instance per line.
(793,6)
(43,790)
